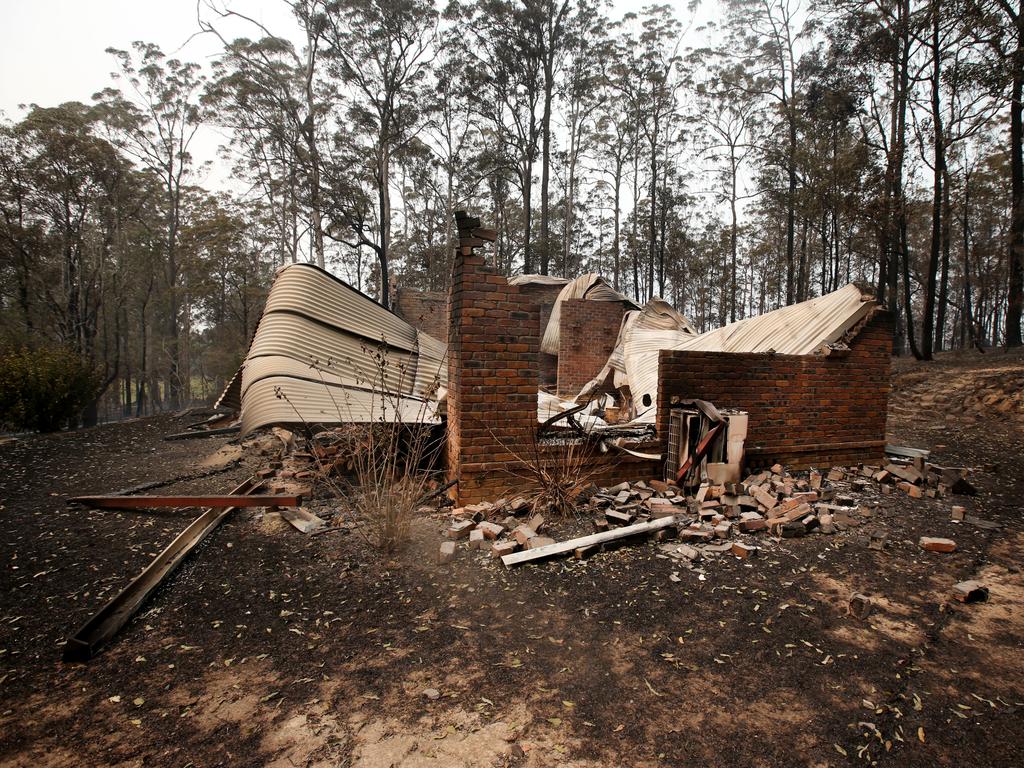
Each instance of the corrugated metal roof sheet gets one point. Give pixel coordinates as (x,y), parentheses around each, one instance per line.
(799,329)
(325,353)
(657,315)
(589,286)
(537,280)
(287,400)
(306,290)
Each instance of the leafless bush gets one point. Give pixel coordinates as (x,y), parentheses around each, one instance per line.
(553,473)
(391,445)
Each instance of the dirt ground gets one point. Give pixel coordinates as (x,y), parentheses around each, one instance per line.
(270,648)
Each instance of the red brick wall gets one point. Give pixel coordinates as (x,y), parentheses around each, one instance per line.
(494,345)
(804,410)
(586,338)
(544,296)
(425,310)
(494,338)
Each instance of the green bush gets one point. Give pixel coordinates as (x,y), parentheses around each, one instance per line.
(44,388)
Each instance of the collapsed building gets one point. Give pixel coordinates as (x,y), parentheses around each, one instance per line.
(532,362)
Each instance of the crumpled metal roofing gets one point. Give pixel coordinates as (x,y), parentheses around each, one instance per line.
(537,280)
(799,329)
(656,315)
(323,352)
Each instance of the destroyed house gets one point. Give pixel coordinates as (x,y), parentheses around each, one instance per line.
(534,363)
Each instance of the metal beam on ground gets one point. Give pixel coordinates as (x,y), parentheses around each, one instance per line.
(84,644)
(152,502)
(193,434)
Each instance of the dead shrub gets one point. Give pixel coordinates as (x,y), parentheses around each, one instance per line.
(392,449)
(391,482)
(552,473)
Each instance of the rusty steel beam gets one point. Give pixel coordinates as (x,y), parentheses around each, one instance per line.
(152,502)
(103,625)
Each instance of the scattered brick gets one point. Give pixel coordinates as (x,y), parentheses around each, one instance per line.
(970,592)
(583,553)
(447,552)
(914,491)
(934,544)
(907,473)
(764,498)
(523,534)
(539,541)
(460,529)
(752,525)
(743,551)
(616,517)
(490,530)
(502,548)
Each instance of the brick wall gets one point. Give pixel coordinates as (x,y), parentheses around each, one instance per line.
(494,338)
(544,296)
(494,345)
(425,310)
(804,410)
(586,338)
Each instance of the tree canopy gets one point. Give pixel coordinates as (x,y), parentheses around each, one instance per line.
(731,167)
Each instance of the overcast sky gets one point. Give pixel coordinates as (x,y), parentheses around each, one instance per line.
(53,51)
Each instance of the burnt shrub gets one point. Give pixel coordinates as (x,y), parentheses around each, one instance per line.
(44,388)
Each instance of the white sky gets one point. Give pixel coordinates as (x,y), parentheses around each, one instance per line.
(54,51)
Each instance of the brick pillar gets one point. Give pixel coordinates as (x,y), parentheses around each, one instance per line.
(493,345)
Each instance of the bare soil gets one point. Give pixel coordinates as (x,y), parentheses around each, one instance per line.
(270,648)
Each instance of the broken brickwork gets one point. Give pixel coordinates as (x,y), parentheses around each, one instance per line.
(494,348)
(586,339)
(804,410)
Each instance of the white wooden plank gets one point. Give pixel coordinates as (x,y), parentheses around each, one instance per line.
(562,547)
(302,519)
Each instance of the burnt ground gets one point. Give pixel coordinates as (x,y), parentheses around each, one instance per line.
(274,648)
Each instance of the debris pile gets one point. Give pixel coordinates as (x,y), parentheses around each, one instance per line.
(920,479)
(715,519)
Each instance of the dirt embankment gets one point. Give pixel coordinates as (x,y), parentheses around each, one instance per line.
(964,386)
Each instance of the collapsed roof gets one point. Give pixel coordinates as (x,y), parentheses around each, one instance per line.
(799,329)
(590,286)
(324,352)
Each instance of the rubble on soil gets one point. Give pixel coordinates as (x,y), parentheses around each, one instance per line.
(730,520)
(711,521)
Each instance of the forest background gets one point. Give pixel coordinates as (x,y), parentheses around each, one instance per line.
(731,156)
